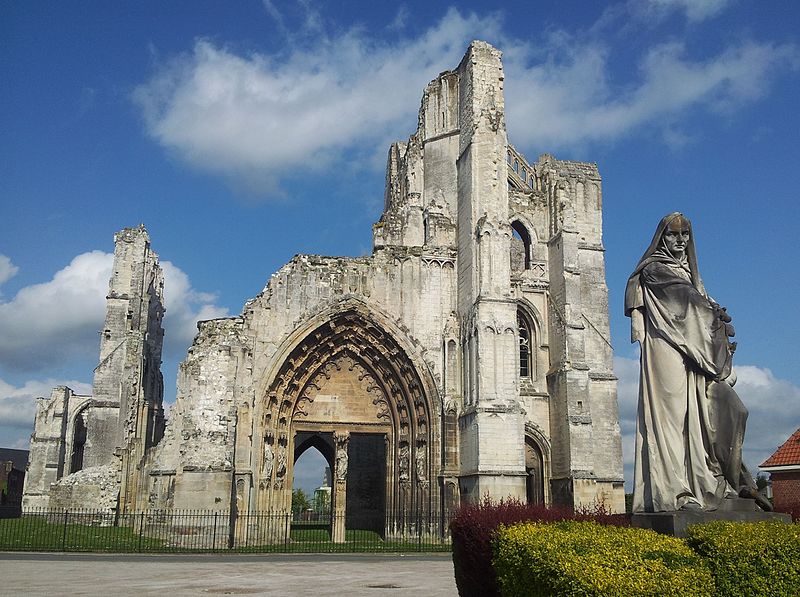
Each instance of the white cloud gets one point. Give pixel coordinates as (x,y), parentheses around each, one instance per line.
(569,98)
(185,307)
(259,118)
(774,406)
(695,10)
(7,269)
(48,324)
(262,116)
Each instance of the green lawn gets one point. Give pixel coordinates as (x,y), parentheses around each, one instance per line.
(34,533)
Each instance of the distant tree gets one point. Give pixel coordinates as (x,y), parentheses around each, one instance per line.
(300,501)
(762,480)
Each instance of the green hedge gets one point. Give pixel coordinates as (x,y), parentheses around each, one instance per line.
(585,558)
(756,558)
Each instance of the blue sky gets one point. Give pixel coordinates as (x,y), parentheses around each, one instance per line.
(243,133)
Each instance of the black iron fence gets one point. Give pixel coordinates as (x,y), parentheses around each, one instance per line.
(196,530)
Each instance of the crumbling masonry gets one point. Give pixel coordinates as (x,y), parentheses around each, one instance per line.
(469,355)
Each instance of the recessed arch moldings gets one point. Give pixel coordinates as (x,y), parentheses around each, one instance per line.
(395,396)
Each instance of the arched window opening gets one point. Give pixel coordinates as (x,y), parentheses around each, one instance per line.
(311,486)
(78,444)
(520,247)
(534,467)
(525,346)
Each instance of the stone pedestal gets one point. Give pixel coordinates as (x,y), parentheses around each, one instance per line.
(676,523)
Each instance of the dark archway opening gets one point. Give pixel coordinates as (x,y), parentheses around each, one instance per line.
(534,467)
(78,444)
(520,247)
(366,482)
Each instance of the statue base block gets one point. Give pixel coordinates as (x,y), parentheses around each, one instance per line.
(676,523)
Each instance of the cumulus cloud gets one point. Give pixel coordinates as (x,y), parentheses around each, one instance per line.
(7,269)
(774,406)
(262,116)
(54,322)
(695,10)
(259,117)
(44,324)
(185,307)
(18,408)
(569,99)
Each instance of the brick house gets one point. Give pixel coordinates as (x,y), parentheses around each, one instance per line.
(12,478)
(784,469)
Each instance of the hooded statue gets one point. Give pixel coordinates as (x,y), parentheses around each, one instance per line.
(690,422)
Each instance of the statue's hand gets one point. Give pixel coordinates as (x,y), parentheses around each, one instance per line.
(730,331)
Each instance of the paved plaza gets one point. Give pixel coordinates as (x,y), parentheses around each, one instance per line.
(429,575)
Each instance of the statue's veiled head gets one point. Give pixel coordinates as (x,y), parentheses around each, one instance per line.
(676,236)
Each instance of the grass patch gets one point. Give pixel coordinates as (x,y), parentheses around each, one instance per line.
(49,533)
(37,533)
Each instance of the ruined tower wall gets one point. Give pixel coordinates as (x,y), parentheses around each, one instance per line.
(587,448)
(491,425)
(123,417)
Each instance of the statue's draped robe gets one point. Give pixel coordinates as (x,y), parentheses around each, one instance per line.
(690,423)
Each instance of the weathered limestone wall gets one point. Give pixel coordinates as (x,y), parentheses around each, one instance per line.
(491,426)
(48,447)
(586,441)
(193,465)
(92,488)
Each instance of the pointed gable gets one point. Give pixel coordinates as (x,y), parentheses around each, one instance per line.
(787,455)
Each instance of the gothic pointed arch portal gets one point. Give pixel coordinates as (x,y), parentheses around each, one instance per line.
(351,382)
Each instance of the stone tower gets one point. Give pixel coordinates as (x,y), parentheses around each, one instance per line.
(82,442)
(491,422)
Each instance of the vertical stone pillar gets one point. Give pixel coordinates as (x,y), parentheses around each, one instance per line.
(491,426)
(585,436)
(341,440)
(128,376)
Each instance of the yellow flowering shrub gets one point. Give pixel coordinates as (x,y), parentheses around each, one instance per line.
(753,558)
(585,559)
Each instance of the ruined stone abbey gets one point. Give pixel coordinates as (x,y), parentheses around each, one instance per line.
(469,355)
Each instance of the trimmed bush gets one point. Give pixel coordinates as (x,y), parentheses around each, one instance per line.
(755,558)
(587,559)
(473,528)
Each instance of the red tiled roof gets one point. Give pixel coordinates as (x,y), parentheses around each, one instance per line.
(788,454)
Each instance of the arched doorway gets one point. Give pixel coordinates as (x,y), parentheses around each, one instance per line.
(534,467)
(350,384)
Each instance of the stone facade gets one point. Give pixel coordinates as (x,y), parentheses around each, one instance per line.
(468,356)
